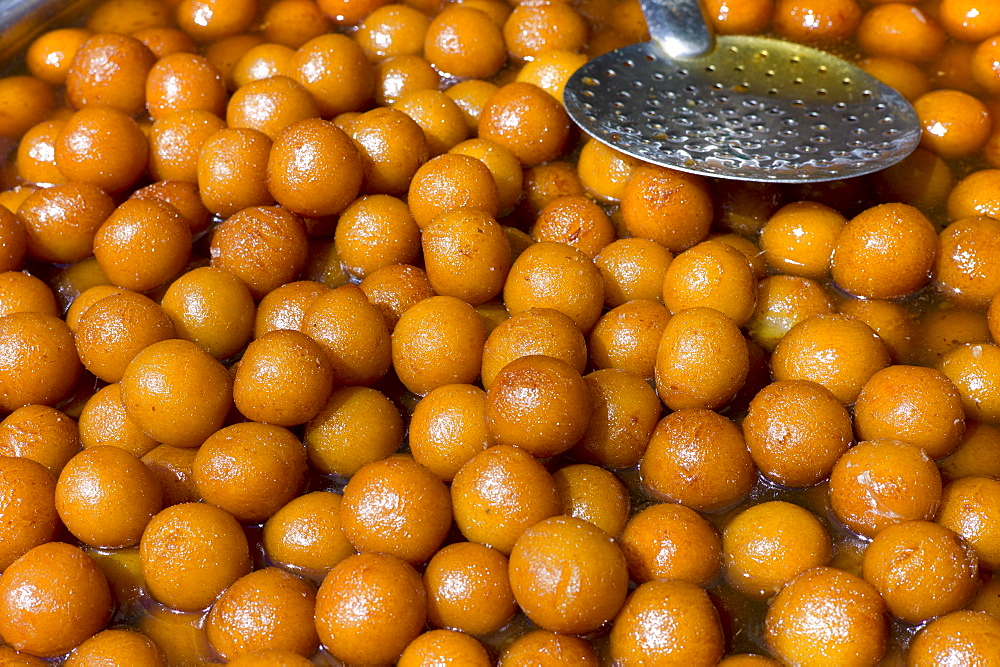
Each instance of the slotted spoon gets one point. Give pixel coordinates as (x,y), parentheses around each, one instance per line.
(747,108)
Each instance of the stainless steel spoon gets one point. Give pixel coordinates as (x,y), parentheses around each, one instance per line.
(747,108)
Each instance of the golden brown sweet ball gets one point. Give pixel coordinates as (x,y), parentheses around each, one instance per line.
(549,648)
(265,609)
(903,75)
(922,179)
(465,42)
(671,541)
(466,255)
(670,207)
(560,549)
(965,270)
(181,81)
(213,20)
(943,330)
(448,427)
(52,599)
(878,483)
(177,393)
(110,70)
(42,434)
(885,252)
(163,41)
(547,181)
(471,96)
(105,421)
(396,288)
(262,62)
(593,494)
(503,165)
(698,458)
(284,378)
(702,360)
(624,412)
(120,644)
(143,244)
(225,54)
(25,101)
(38,361)
(797,626)
(973,368)
(902,31)
(250,469)
(782,302)
(24,293)
(292,23)
(396,506)
(711,274)
(232,170)
(182,195)
(270,105)
(666,622)
(51,54)
(102,146)
(264,246)
(335,70)
(376,231)
(35,160)
(976,194)
(345,12)
(357,426)
(535,27)
(450,182)
(352,332)
(533,331)
(967,637)
(499,493)
(955,123)
(977,454)
(14,242)
(550,70)
(444,646)
(285,307)
(766,546)
(796,431)
(914,404)
(175,143)
(921,570)
(969,20)
(468,589)
(894,323)
(211,307)
(392,30)
(983,65)
(118,327)
(557,276)
(27,507)
(86,299)
(627,337)
(732,17)
(370,607)
(800,238)
(528,121)
(837,351)
(314,168)
(970,506)
(576,221)
(632,268)
(392,146)
(816,20)
(305,535)
(604,170)
(105,497)
(538,403)
(190,553)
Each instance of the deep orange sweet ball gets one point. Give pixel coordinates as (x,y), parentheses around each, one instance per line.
(51,599)
(27,507)
(38,360)
(526,120)
(671,207)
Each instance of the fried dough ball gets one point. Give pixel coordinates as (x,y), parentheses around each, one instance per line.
(104,420)
(627,337)
(800,239)
(964,270)
(358,425)
(667,621)
(632,269)
(190,553)
(782,302)
(593,494)
(232,170)
(110,70)
(449,182)
(969,507)
(712,274)
(671,541)
(27,507)
(624,412)
(370,607)
(448,427)
(878,483)
(526,120)
(468,589)
(265,609)
(698,458)
(42,434)
(797,626)
(52,599)
(109,646)
(51,54)
(972,368)
(547,646)
(102,146)
(671,207)
(977,454)
(554,275)
(967,637)
(500,493)
(62,221)
(544,331)
(466,255)
(465,43)
(38,360)
(306,534)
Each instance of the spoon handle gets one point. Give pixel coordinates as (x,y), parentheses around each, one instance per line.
(678,27)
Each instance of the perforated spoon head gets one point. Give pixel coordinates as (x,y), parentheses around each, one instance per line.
(753,109)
